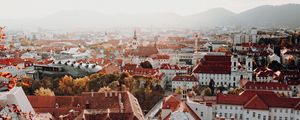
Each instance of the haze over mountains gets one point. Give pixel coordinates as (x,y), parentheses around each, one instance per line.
(283,15)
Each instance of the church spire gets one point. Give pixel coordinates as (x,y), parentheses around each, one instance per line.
(134,35)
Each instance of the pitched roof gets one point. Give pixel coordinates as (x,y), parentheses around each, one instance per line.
(258,100)
(214,64)
(170,102)
(266,86)
(160,56)
(256,103)
(97,101)
(187,78)
(11,61)
(142,51)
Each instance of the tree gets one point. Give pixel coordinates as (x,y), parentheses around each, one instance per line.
(81,84)
(66,85)
(275,66)
(178,90)
(236,91)
(98,81)
(114,85)
(198,89)
(212,86)
(105,89)
(207,92)
(146,64)
(44,92)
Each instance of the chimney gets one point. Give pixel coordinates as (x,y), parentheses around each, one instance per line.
(105,93)
(92,92)
(121,103)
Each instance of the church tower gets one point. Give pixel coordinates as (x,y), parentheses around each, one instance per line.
(249,64)
(133,43)
(234,62)
(196,43)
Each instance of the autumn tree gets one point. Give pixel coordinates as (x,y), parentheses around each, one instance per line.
(81,85)
(66,85)
(44,92)
(105,89)
(207,92)
(98,81)
(235,91)
(178,90)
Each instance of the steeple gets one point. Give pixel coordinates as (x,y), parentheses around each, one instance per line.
(134,35)
(196,43)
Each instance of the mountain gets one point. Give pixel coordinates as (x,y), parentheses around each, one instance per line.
(283,15)
(272,15)
(212,17)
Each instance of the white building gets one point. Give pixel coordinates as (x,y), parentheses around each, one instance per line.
(133,43)
(184,81)
(224,70)
(257,105)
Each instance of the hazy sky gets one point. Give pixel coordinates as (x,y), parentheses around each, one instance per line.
(39,8)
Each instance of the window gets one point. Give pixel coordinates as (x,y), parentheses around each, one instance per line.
(258,116)
(253,114)
(201,114)
(247,111)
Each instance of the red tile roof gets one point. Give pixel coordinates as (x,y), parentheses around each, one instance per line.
(248,44)
(211,64)
(170,102)
(256,103)
(159,56)
(187,78)
(97,101)
(258,100)
(169,67)
(142,51)
(11,61)
(134,69)
(266,86)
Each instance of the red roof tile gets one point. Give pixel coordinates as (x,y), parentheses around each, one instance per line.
(212,64)
(256,103)
(266,86)
(258,100)
(187,78)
